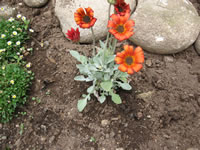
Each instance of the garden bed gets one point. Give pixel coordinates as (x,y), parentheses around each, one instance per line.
(161,112)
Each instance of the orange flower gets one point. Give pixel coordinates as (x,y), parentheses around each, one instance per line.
(121,27)
(130,59)
(122,8)
(85,18)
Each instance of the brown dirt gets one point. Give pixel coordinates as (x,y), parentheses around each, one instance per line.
(162,112)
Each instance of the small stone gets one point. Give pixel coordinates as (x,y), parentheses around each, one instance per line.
(6,12)
(105,122)
(26,54)
(35,3)
(192,149)
(168,59)
(145,96)
(149,116)
(120,148)
(43,139)
(51,139)
(139,115)
(44,128)
(3,137)
(148,62)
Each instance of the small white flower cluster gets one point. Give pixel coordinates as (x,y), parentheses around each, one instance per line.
(2,50)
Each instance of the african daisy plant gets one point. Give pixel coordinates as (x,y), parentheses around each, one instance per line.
(106,69)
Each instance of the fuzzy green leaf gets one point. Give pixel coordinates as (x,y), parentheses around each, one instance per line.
(81,104)
(116,98)
(102,99)
(80,78)
(124,86)
(75,54)
(106,86)
(90,89)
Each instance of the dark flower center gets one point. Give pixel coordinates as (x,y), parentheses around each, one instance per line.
(129,60)
(120,9)
(86,19)
(120,28)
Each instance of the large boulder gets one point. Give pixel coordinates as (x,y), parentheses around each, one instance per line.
(64,10)
(35,3)
(197,45)
(165,26)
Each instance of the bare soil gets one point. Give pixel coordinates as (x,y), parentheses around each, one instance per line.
(162,112)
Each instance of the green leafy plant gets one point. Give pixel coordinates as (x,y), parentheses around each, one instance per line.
(14,83)
(13,34)
(106,70)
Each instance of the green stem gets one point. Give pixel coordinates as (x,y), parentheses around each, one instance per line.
(93,37)
(114,45)
(107,38)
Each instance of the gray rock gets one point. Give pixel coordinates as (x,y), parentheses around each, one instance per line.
(105,122)
(7,12)
(165,26)
(197,45)
(64,10)
(35,3)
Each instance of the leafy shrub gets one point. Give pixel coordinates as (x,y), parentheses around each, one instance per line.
(14,83)
(13,34)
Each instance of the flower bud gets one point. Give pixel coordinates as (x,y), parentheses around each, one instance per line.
(113,2)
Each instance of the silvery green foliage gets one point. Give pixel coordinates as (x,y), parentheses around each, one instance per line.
(102,71)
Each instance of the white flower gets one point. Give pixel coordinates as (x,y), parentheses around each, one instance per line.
(18,43)
(12,81)
(9,43)
(28,65)
(31,30)
(23,18)
(18,53)
(21,56)
(3,67)
(29,49)
(14,33)
(19,16)
(3,36)
(2,9)
(13,27)
(11,19)
(14,96)
(2,50)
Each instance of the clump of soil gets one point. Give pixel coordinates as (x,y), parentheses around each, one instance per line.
(161,112)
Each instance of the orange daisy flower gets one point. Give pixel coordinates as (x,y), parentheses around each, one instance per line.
(85,18)
(130,59)
(122,8)
(73,35)
(121,27)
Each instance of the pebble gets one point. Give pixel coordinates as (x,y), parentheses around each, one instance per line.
(3,137)
(168,59)
(139,115)
(149,116)
(51,139)
(120,148)
(192,149)
(148,62)
(36,3)
(145,96)
(105,122)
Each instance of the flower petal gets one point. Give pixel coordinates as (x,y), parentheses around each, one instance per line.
(115,18)
(130,71)
(118,60)
(137,67)
(122,68)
